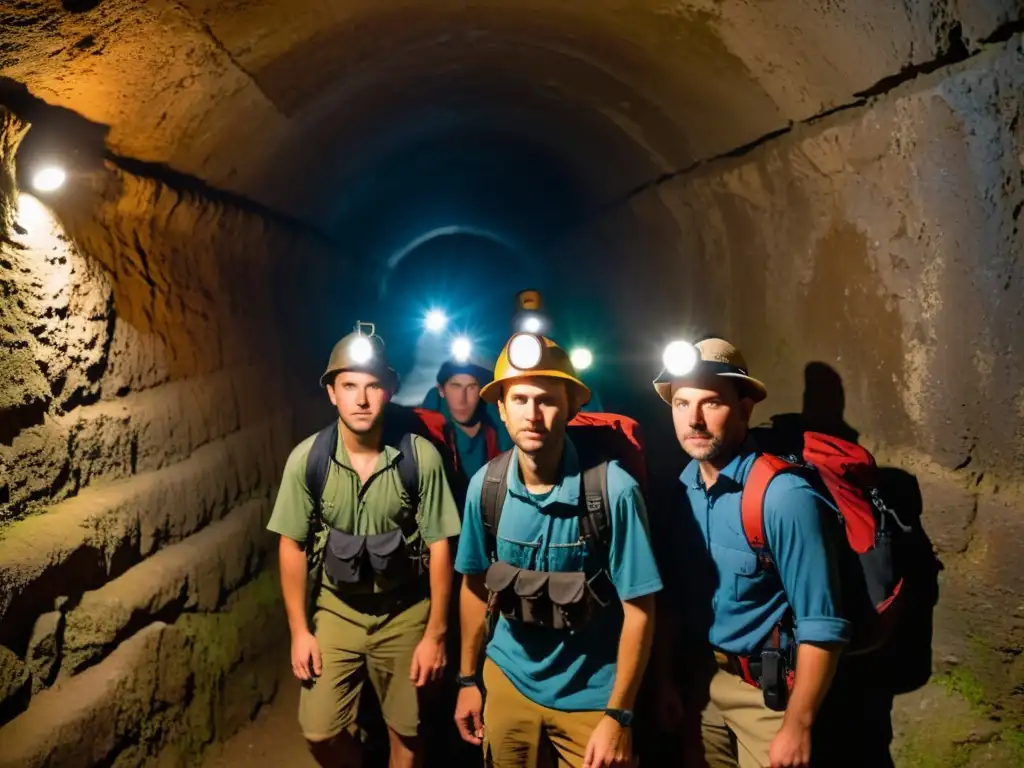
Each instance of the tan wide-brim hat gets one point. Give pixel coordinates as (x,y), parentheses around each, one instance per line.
(717,357)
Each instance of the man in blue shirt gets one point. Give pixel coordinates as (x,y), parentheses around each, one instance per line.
(475,438)
(568,688)
(789,606)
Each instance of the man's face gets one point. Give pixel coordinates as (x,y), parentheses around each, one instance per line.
(710,423)
(535,411)
(462,393)
(360,399)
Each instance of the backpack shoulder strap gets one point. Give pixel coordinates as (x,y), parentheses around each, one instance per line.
(492,496)
(409,475)
(318,465)
(490,440)
(594,523)
(765,468)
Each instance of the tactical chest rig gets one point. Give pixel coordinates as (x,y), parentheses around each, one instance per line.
(348,560)
(554,599)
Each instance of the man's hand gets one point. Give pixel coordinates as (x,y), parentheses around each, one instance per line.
(791,747)
(469,714)
(610,746)
(307,662)
(428,661)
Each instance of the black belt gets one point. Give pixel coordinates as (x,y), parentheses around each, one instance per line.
(746,667)
(392,601)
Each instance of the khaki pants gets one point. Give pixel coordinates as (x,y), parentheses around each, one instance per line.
(521,734)
(736,727)
(358,646)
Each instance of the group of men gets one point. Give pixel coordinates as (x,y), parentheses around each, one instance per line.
(558,577)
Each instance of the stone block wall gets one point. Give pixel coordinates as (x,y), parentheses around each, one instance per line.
(145,417)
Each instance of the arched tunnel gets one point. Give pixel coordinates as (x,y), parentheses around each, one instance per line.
(827,183)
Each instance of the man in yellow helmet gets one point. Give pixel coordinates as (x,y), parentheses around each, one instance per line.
(358,513)
(576,598)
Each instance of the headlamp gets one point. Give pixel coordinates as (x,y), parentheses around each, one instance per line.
(531,323)
(360,350)
(680,358)
(435,321)
(49,178)
(581,358)
(525,351)
(462,348)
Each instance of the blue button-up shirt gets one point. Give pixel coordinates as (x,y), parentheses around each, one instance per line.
(560,669)
(748,600)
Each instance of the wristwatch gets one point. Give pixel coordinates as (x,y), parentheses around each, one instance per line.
(467,681)
(623,717)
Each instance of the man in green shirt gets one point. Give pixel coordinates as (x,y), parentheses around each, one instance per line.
(360,604)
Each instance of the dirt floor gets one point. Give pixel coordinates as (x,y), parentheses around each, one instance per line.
(273,738)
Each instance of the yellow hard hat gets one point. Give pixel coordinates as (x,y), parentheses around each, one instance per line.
(528,355)
(359,352)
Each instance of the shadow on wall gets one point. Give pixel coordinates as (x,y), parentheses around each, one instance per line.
(854,727)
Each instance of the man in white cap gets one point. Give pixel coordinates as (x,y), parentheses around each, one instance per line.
(775,624)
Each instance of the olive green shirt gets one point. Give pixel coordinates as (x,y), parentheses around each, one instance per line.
(365,510)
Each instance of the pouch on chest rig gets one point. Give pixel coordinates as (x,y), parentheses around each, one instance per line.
(554,599)
(383,557)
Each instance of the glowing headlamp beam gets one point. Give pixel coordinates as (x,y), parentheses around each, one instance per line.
(436,321)
(531,324)
(49,178)
(462,348)
(525,352)
(361,350)
(680,357)
(581,358)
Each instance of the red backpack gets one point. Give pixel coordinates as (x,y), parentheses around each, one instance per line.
(871,574)
(598,439)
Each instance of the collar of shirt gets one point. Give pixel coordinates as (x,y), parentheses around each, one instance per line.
(389,455)
(730,478)
(565,491)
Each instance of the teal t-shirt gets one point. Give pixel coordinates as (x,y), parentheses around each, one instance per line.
(472,450)
(561,669)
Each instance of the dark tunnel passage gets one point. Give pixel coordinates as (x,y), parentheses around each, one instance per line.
(835,187)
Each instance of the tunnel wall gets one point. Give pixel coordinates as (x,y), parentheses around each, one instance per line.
(884,241)
(145,422)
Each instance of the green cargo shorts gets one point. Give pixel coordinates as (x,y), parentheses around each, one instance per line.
(357,646)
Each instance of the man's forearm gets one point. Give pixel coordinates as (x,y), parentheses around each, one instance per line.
(634,651)
(440,588)
(815,666)
(292,564)
(472,621)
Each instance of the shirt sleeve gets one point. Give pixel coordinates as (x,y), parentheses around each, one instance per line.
(472,557)
(804,550)
(294,503)
(438,516)
(631,557)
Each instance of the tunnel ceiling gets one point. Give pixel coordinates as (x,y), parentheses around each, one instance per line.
(278,100)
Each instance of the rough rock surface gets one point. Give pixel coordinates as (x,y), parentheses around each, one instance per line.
(254,94)
(144,422)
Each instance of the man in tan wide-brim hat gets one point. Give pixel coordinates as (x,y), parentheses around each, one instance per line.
(775,627)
